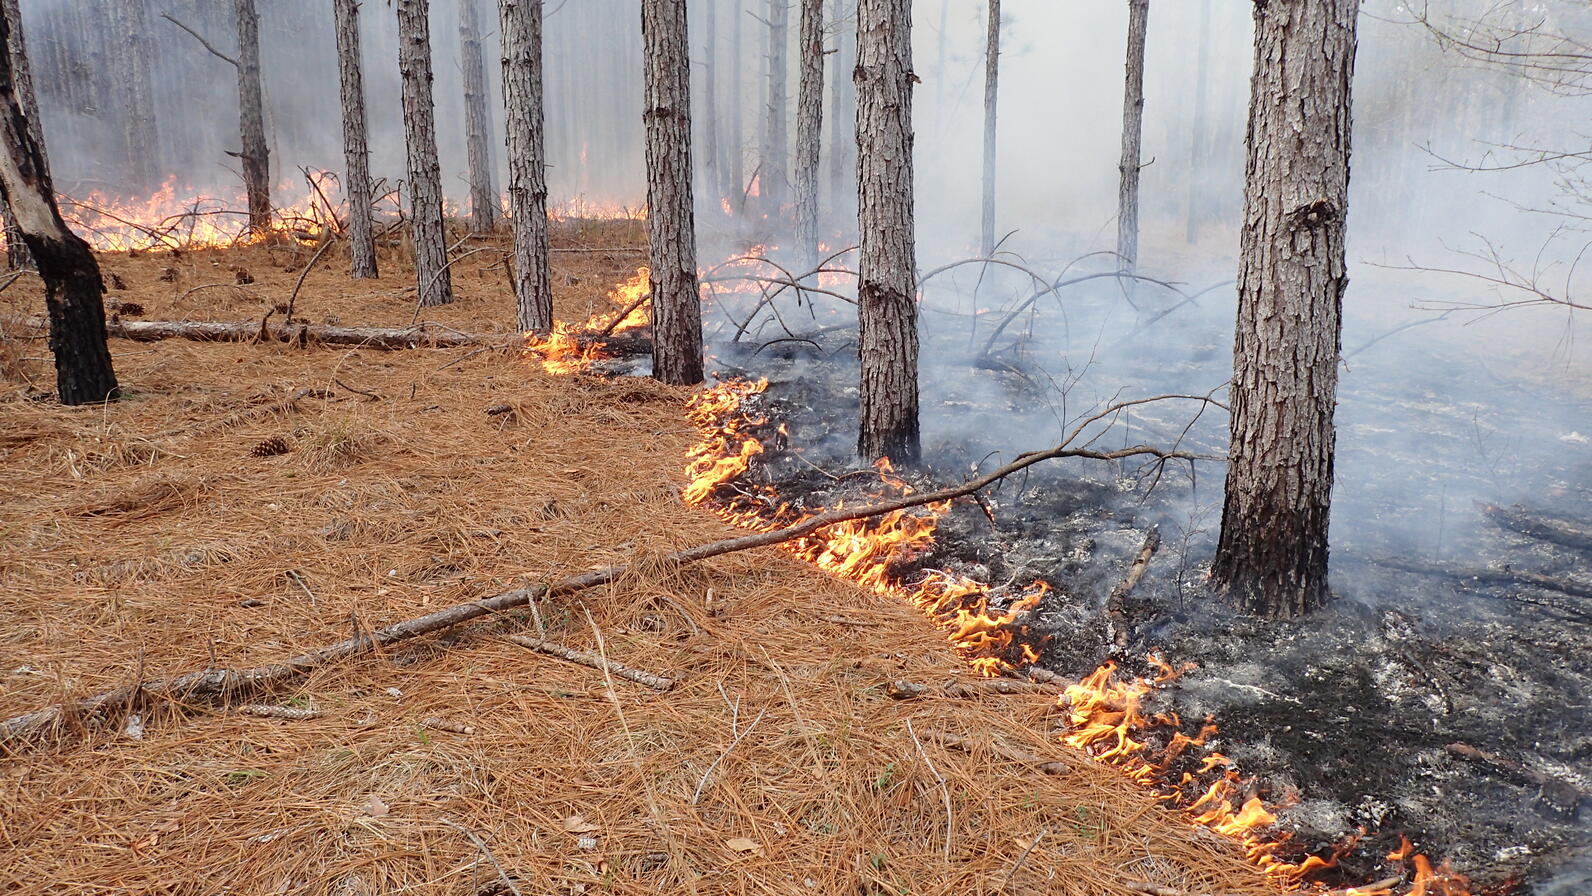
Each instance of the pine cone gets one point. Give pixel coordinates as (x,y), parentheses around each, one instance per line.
(270,447)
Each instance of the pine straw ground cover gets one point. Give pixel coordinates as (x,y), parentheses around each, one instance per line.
(151,536)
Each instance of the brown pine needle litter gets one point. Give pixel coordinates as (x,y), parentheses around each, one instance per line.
(145,539)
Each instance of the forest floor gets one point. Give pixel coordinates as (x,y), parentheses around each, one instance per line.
(144,538)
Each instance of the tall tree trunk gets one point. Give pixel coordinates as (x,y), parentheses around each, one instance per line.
(136,93)
(671,220)
(737,147)
(256,156)
(887,313)
(521,23)
(1197,146)
(420,139)
(775,175)
(992,71)
(1132,135)
(1272,554)
(842,111)
(809,127)
(712,180)
(73,290)
(17,256)
(477,123)
(356,144)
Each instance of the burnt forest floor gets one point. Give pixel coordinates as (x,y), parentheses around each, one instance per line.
(219,516)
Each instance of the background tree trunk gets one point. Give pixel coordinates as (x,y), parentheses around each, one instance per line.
(256,156)
(1132,136)
(477,123)
(775,166)
(134,83)
(1197,148)
(992,70)
(712,177)
(671,220)
(737,147)
(521,22)
(17,256)
(420,139)
(73,290)
(356,144)
(842,111)
(1272,554)
(809,127)
(887,343)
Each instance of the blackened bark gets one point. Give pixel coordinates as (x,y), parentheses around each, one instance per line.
(73,289)
(992,70)
(887,342)
(356,142)
(1272,554)
(1132,134)
(521,22)
(809,126)
(775,164)
(420,139)
(136,92)
(17,256)
(256,158)
(671,226)
(477,123)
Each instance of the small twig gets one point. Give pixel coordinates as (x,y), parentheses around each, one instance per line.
(1116,604)
(294,577)
(1020,860)
(945,790)
(656,682)
(697,794)
(438,723)
(371,395)
(293,296)
(613,324)
(481,845)
(271,711)
(200,38)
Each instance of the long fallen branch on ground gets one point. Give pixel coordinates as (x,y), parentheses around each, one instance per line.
(222,686)
(651,680)
(1546,528)
(379,338)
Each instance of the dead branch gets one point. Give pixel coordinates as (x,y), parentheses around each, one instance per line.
(957,742)
(1561,794)
(200,38)
(962,690)
(272,711)
(651,680)
(1519,519)
(299,284)
(221,686)
(1513,577)
(1116,605)
(620,318)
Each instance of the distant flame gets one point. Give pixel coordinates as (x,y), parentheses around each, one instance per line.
(172,219)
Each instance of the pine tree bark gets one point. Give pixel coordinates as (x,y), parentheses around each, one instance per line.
(521,24)
(1132,137)
(775,168)
(136,89)
(17,256)
(992,70)
(73,289)
(842,111)
(477,122)
(420,139)
(1272,553)
(887,344)
(256,156)
(356,141)
(671,224)
(809,126)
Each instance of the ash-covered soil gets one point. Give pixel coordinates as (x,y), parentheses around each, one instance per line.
(1424,702)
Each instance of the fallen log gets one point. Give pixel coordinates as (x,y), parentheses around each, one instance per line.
(303,334)
(224,686)
(1546,528)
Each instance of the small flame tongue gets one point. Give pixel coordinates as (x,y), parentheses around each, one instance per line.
(563,351)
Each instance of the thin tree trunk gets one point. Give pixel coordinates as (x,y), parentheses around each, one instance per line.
(356,144)
(17,256)
(809,126)
(992,70)
(1272,554)
(73,289)
(671,221)
(477,123)
(137,92)
(521,22)
(1197,141)
(843,111)
(737,147)
(887,343)
(256,157)
(1132,136)
(420,138)
(712,180)
(776,151)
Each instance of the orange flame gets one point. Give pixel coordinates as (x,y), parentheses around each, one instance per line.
(171,219)
(562,351)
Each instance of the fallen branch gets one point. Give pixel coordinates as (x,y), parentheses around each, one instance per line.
(1518,519)
(1512,577)
(957,742)
(221,686)
(982,687)
(656,682)
(1117,622)
(1557,792)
